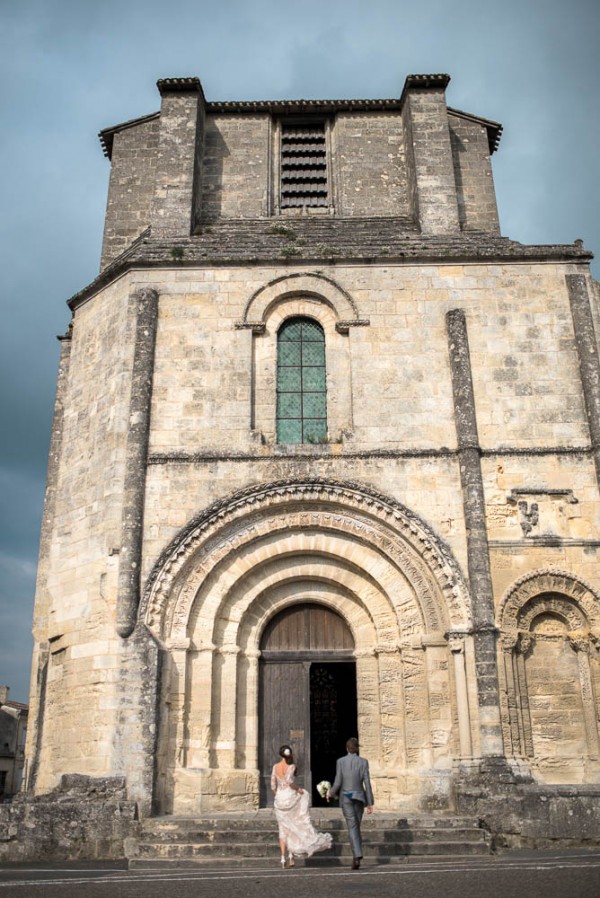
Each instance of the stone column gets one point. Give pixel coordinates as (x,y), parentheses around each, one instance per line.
(392,704)
(251,741)
(176,203)
(581,645)
(178,698)
(134,487)
(457,648)
(432,184)
(368,700)
(484,630)
(515,723)
(587,352)
(227,698)
(201,704)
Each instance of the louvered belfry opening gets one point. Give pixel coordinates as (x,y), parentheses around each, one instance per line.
(303,165)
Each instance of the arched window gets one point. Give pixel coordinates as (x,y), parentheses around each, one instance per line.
(301,386)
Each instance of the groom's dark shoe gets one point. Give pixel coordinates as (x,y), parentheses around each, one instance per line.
(356,863)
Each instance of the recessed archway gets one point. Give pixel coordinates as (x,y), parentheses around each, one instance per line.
(358,554)
(550,628)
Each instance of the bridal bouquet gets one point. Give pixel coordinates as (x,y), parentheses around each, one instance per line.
(323,788)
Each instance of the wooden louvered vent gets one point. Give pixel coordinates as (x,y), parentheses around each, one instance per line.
(303,165)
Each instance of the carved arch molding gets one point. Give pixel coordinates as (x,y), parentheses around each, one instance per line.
(321,518)
(550,625)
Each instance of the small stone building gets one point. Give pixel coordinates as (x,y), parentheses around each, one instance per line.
(13,731)
(325,461)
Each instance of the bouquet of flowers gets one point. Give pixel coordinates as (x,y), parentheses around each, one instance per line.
(323,788)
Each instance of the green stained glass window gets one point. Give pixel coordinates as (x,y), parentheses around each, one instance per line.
(301,382)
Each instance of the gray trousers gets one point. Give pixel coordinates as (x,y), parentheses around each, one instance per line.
(353,811)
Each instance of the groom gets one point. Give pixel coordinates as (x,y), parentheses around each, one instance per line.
(352,778)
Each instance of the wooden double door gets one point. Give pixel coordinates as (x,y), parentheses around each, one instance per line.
(307,694)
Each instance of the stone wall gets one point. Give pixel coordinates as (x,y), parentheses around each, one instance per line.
(528,816)
(197,163)
(473,174)
(236,177)
(82,819)
(79,653)
(131,187)
(369,165)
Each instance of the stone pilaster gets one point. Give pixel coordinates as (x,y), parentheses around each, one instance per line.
(432,184)
(484,630)
(587,352)
(175,207)
(136,456)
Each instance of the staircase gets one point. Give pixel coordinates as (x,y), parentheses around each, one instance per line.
(250,840)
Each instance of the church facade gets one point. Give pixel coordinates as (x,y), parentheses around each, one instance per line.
(325,462)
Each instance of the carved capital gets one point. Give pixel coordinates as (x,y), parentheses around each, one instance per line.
(579,641)
(365,653)
(179,644)
(229,650)
(390,648)
(509,642)
(456,644)
(525,643)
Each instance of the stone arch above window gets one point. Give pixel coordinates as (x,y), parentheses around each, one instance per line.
(318,287)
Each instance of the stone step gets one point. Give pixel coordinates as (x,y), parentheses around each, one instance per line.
(251,839)
(321,818)
(374,835)
(440,853)
(370,849)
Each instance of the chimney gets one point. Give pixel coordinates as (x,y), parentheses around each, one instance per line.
(4,690)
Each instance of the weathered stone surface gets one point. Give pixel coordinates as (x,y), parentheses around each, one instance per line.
(529,816)
(451,515)
(84,818)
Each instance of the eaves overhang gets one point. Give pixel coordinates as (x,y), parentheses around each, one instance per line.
(302,107)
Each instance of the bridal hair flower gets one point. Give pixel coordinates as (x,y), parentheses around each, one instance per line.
(287,752)
(323,788)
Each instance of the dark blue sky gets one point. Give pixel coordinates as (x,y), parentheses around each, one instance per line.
(71,67)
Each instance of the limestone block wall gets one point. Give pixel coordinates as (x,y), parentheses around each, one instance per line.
(369,165)
(391,399)
(78,651)
(236,176)
(196,162)
(399,362)
(473,175)
(131,187)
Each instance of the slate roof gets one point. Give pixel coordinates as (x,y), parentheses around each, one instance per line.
(316,241)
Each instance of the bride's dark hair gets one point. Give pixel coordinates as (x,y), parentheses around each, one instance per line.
(286,753)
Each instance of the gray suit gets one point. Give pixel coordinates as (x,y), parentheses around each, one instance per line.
(353,781)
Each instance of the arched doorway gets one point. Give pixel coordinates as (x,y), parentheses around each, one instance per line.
(307,693)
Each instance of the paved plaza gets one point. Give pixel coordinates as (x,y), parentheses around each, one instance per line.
(568,874)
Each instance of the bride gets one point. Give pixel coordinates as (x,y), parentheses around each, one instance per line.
(296,832)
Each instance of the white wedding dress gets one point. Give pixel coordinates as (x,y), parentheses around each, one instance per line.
(291,811)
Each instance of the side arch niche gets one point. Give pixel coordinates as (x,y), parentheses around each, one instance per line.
(550,623)
(362,556)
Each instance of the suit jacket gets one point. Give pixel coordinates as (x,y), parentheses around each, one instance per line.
(352,775)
